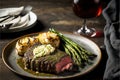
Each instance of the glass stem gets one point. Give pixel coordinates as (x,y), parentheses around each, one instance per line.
(84,27)
(85,30)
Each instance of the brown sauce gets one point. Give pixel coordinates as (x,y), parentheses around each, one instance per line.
(20,63)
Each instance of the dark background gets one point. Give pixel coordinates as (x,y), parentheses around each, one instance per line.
(59,15)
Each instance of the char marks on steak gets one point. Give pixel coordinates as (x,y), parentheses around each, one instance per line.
(56,63)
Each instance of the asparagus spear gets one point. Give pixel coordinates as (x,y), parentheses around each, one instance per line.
(78,53)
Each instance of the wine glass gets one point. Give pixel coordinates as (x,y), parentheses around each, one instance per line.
(87,9)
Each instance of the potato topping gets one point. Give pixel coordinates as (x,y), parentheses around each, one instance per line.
(43,38)
(23,44)
(49,38)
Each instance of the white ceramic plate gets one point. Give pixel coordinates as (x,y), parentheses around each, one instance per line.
(10,57)
(28,24)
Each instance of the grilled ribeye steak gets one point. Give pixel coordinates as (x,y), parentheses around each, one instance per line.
(56,62)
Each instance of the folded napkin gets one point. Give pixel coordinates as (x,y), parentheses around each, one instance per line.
(112,40)
(11,11)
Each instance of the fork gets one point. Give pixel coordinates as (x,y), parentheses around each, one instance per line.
(26,10)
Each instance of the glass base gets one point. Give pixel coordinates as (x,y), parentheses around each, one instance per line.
(89,32)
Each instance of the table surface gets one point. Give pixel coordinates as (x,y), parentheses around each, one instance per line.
(59,15)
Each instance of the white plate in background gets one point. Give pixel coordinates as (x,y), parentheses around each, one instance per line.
(28,24)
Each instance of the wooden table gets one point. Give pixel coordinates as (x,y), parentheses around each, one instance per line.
(59,15)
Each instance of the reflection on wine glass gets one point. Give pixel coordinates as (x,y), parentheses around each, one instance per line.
(87,9)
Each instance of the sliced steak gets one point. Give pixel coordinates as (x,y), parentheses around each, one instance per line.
(56,63)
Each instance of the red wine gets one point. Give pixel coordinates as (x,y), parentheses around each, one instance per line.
(87,8)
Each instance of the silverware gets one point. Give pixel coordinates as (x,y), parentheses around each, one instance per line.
(3,18)
(7,20)
(26,10)
(4,27)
